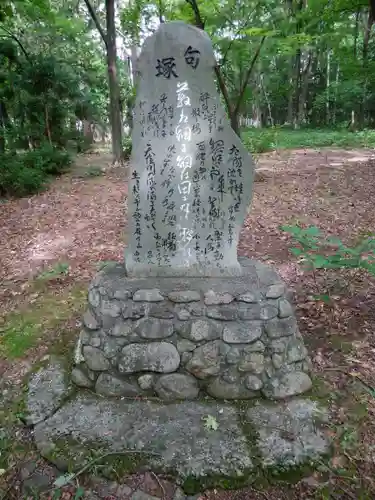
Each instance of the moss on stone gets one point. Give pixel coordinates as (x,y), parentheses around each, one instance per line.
(193,485)
(71,455)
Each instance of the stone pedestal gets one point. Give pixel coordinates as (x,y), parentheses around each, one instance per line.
(180,338)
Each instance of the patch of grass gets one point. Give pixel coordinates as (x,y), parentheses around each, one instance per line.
(25,328)
(262,140)
(59,269)
(92,171)
(337,342)
(105,264)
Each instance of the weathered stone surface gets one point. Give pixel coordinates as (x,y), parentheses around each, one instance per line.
(161,311)
(268,311)
(184,297)
(220,389)
(285,308)
(257,346)
(253,383)
(253,362)
(146,381)
(289,433)
(94,297)
(153,328)
(183,314)
(122,294)
(180,88)
(178,437)
(249,311)
(176,386)
(223,313)
(248,297)
(242,333)
(212,298)
(186,357)
(80,378)
(108,385)
(112,346)
(134,311)
(47,388)
(200,329)
(289,384)
(152,295)
(205,340)
(276,327)
(296,351)
(231,375)
(275,291)
(95,359)
(277,361)
(90,321)
(121,328)
(196,309)
(95,340)
(160,357)
(110,308)
(234,355)
(278,345)
(206,360)
(184,345)
(266,275)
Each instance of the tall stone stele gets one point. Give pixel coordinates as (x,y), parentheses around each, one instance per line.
(191,178)
(185,316)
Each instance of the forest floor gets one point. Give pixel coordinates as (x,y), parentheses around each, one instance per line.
(53,243)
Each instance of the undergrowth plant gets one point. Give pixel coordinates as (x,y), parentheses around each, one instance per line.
(316,251)
(319,252)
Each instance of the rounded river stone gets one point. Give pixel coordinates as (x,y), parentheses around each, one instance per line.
(108,385)
(206,360)
(95,359)
(177,386)
(160,357)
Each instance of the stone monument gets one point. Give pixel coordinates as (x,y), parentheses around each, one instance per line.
(186,316)
(191,179)
(184,319)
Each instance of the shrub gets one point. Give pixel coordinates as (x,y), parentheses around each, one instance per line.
(18,180)
(319,252)
(27,172)
(260,141)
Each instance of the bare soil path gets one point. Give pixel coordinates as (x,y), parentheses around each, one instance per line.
(80,220)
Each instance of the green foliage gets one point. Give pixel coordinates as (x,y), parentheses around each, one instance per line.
(262,140)
(59,269)
(127,146)
(92,171)
(319,252)
(27,172)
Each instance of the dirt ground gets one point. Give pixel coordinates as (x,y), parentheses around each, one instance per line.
(80,221)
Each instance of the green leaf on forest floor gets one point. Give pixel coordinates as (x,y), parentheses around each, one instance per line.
(210,423)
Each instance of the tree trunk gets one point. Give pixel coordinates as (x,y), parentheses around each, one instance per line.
(4,124)
(272,123)
(290,117)
(114,90)
(328,83)
(366,40)
(352,117)
(297,81)
(336,92)
(88,132)
(302,114)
